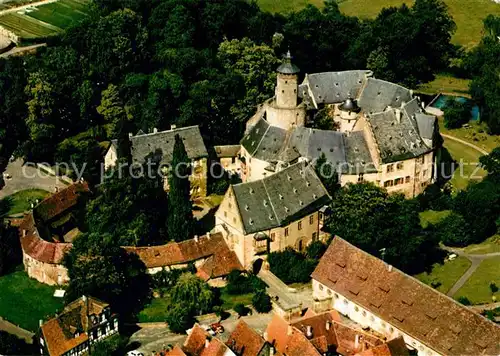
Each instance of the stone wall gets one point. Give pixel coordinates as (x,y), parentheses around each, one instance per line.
(51,274)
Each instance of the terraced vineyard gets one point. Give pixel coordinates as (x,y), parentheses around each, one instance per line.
(46,20)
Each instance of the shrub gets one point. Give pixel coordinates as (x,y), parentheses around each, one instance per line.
(179,318)
(493,287)
(261,301)
(316,250)
(454,231)
(241,309)
(456,113)
(464,300)
(293,267)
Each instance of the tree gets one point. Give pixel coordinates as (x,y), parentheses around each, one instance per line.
(241,310)
(375,221)
(316,250)
(112,346)
(491,163)
(112,110)
(261,301)
(291,266)
(456,113)
(180,217)
(493,288)
(454,231)
(179,318)
(464,300)
(257,65)
(328,174)
(193,294)
(99,267)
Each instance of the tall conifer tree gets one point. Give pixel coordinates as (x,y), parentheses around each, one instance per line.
(180,214)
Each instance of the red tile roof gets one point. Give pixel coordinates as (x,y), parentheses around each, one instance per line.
(58,332)
(430,317)
(176,351)
(178,253)
(299,345)
(244,341)
(321,326)
(395,347)
(36,247)
(215,348)
(220,264)
(195,342)
(60,201)
(277,332)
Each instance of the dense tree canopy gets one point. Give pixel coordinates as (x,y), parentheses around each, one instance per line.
(387,226)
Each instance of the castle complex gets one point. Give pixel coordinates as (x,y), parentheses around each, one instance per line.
(383,134)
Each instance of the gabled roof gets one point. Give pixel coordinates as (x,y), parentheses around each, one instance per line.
(195,342)
(217,348)
(59,333)
(397,136)
(378,94)
(394,347)
(245,341)
(312,143)
(220,264)
(175,351)
(416,309)
(281,198)
(264,141)
(162,144)
(178,252)
(59,202)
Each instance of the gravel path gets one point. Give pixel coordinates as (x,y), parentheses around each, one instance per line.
(477,148)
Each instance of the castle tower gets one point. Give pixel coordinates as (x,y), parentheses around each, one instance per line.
(287,86)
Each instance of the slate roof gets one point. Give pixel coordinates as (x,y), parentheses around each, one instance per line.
(244,341)
(397,140)
(426,125)
(378,94)
(418,310)
(335,87)
(357,155)
(312,143)
(59,332)
(264,141)
(281,198)
(163,143)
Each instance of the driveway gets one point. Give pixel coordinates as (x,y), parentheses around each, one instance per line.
(28,177)
(157,337)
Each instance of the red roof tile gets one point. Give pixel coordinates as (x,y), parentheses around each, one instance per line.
(245,341)
(220,264)
(60,201)
(395,347)
(215,348)
(195,342)
(430,317)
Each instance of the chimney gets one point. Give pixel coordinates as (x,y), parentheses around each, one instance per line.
(25,232)
(173,127)
(271,351)
(40,322)
(84,298)
(327,325)
(155,130)
(389,268)
(398,116)
(130,135)
(309,333)
(208,235)
(56,189)
(196,238)
(290,330)
(266,335)
(356,342)
(207,342)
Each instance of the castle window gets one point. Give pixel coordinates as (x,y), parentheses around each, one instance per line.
(286,81)
(400,165)
(356,309)
(314,236)
(272,236)
(311,220)
(225,214)
(360,178)
(286,231)
(320,287)
(336,296)
(390,168)
(398,181)
(407,179)
(283,91)
(300,225)
(425,172)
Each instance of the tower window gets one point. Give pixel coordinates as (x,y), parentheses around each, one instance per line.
(286,81)
(282,91)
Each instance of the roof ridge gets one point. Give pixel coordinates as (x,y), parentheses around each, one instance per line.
(270,201)
(463,307)
(261,137)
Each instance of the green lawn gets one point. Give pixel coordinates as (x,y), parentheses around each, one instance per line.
(446,84)
(468,14)
(445,275)
(21,201)
(229,300)
(477,289)
(26,27)
(490,245)
(475,134)
(24,301)
(467,160)
(432,217)
(156,311)
(62,14)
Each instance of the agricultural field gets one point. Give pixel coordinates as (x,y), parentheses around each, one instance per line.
(46,20)
(468,14)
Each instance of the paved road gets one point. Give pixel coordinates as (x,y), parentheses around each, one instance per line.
(157,337)
(283,295)
(28,177)
(475,262)
(19,50)
(477,148)
(38,3)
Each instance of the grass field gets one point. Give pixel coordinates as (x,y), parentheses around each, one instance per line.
(46,20)
(475,134)
(156,311)
(490,245)
(446,84)
(468,15)
(445,275)
(477,288)
(431,217)
(21,201)
(229,300)
(24,301)
(467,159)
